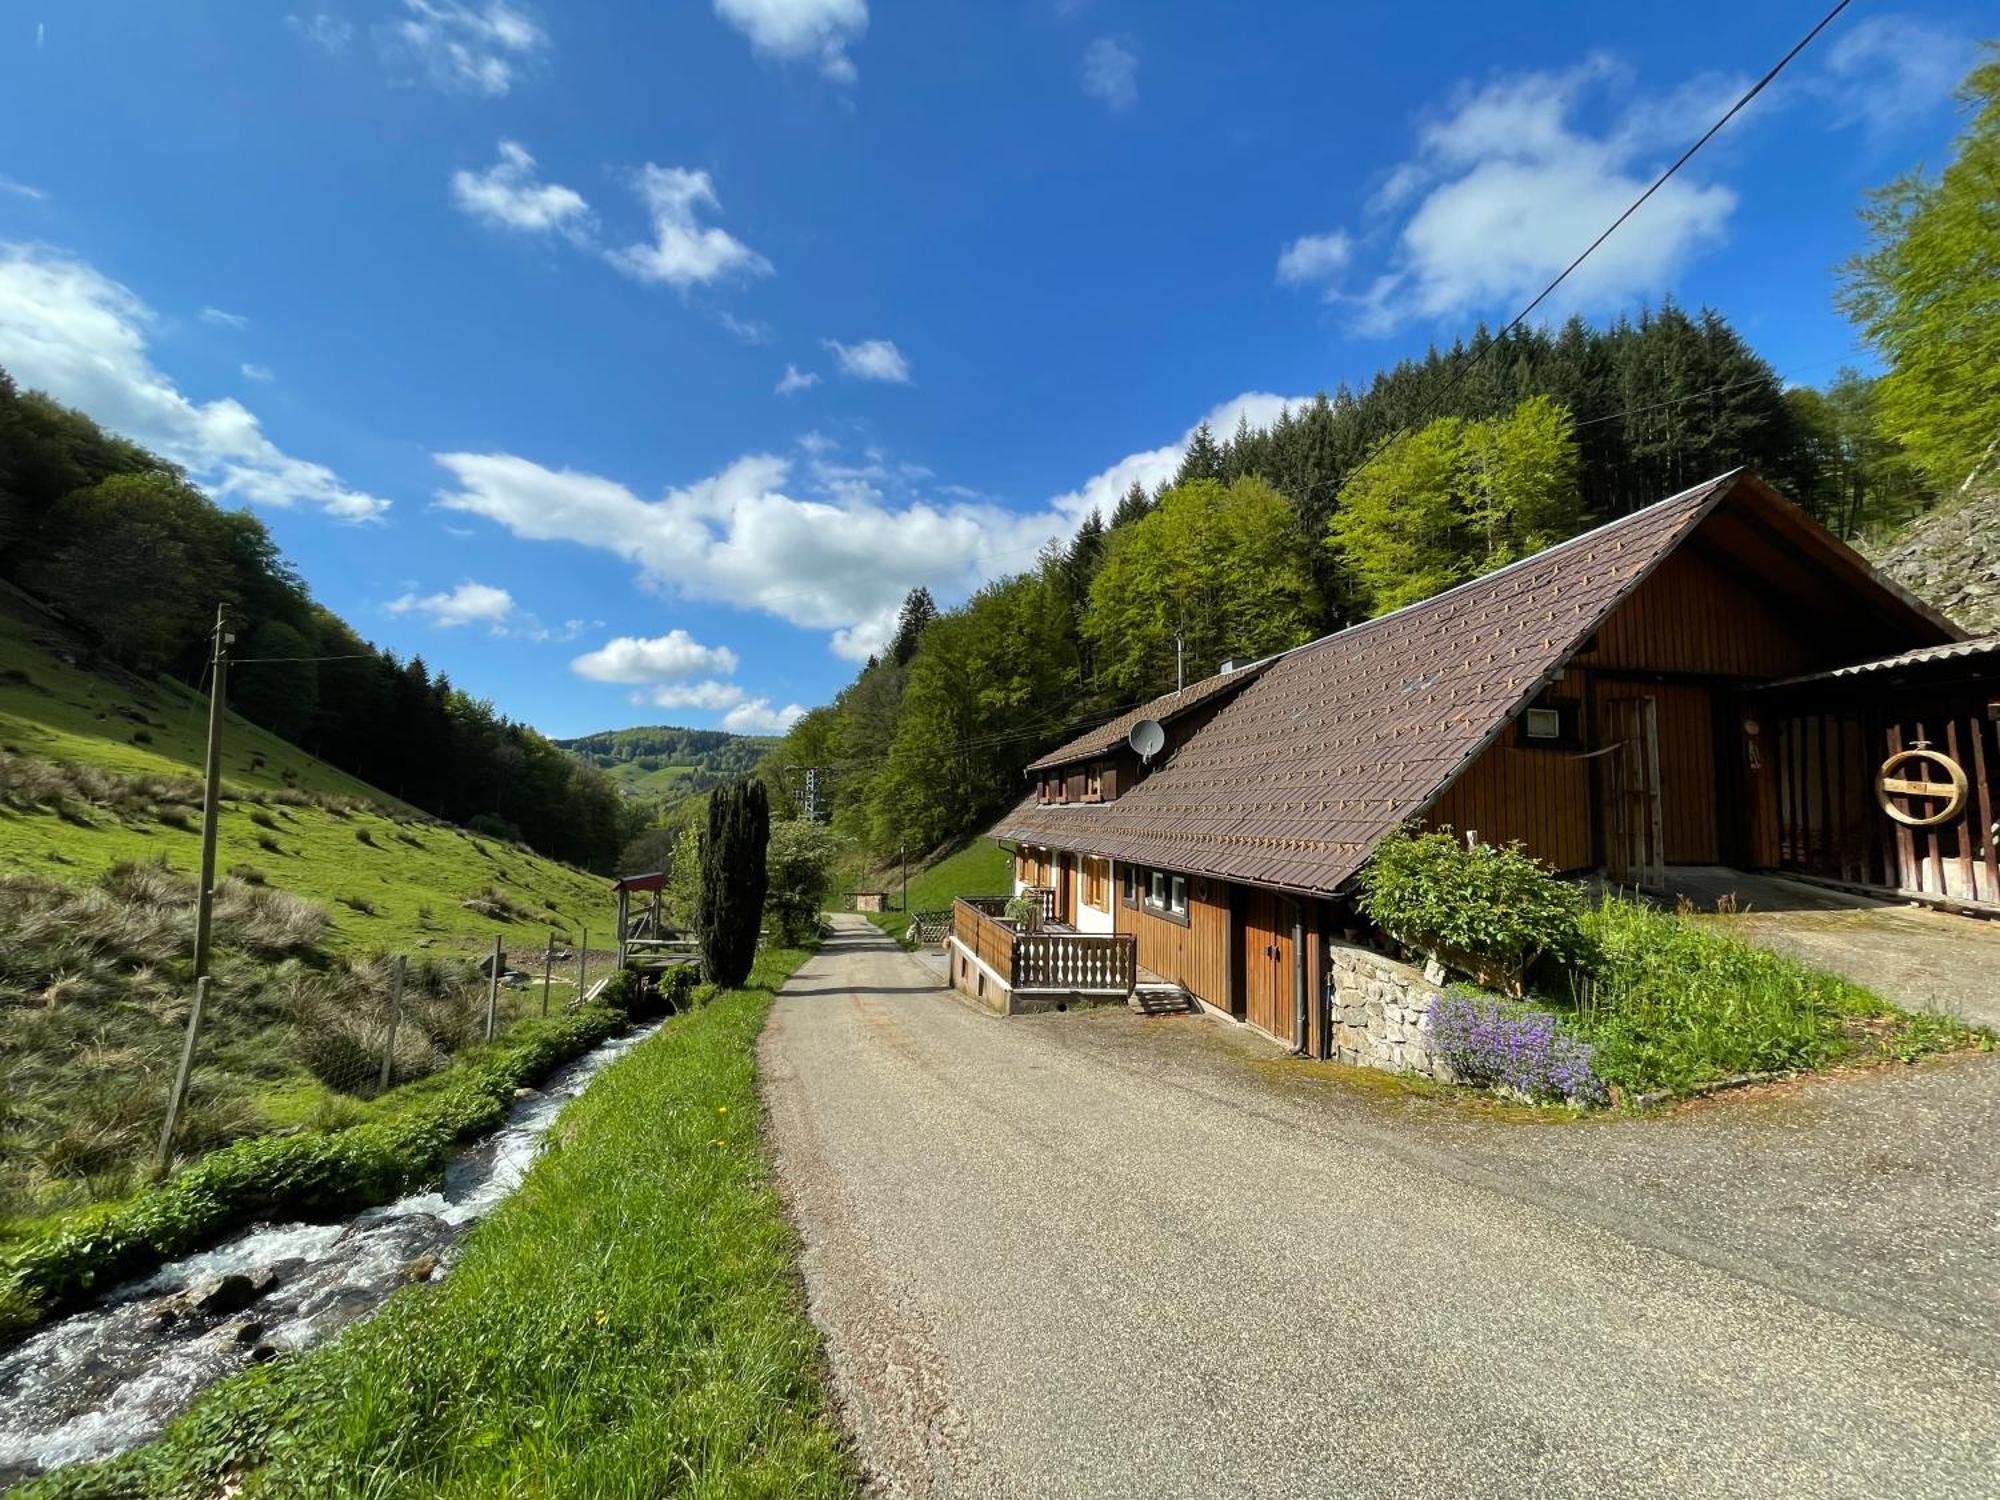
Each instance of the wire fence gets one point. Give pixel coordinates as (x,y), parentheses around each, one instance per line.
(106,1077)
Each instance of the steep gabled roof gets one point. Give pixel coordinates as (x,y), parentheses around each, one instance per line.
(1338,742)
(1165,708)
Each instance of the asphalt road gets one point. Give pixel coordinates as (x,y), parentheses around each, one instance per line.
(1094,1255)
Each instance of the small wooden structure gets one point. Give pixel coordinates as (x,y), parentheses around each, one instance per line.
(645,940)
(1888,774)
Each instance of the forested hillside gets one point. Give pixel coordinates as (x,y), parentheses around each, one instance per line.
(1443,467)
(136,558)
(663,765)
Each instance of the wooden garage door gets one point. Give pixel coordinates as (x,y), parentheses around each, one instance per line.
(1267,953)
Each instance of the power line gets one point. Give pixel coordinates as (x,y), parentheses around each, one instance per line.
(1637,203)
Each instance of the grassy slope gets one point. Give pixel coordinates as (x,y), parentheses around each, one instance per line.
(980,868)
(51,710)
(629,1323)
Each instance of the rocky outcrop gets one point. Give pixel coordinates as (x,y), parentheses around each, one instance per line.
(1951,558)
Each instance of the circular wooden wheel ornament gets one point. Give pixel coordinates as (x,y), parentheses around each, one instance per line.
(1889,786)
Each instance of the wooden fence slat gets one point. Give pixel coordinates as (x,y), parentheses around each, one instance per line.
(1968,887)
(1990,891)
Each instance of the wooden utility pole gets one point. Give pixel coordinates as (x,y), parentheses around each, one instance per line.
(583,967)
(493,989)
(211,803)
(395,1017)
(175,1099)
(548,967)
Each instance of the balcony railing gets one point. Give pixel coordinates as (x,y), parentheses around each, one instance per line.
(1103,963)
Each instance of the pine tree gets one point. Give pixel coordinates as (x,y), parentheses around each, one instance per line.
(733,880)
(1203,459)
(1132,506)
(919,609)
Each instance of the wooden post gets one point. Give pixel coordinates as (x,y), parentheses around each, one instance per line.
(395,1019)
(583,967)
(493,989)
(211,801)
(548,967)
(179,1094)
(624,922)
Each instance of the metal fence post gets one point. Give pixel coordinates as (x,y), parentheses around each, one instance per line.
(395,1019)
(176,1098)
(548,967)
(583,967)
(493,989)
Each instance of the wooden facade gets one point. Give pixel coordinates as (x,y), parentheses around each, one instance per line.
(1714,681)
(1192,951)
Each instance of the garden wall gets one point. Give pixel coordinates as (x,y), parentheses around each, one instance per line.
(1380,1013)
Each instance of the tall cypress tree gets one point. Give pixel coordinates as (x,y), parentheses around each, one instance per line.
(733,880)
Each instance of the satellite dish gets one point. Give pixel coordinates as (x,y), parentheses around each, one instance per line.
(1148,738)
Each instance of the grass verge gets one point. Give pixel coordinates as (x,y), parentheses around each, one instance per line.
(628,1323)
(1669,1002)
(981,868)
(312,1175)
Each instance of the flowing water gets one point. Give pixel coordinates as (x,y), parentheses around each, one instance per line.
(110,1377)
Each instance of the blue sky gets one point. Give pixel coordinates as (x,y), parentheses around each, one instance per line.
(630,361)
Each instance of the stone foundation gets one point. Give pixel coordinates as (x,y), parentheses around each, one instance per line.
(1381,1010)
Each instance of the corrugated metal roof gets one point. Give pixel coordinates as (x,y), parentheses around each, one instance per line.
(1165,708)
(1985,645)
(1340,741)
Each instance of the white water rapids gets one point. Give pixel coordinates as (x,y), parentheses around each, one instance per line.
(107,1378)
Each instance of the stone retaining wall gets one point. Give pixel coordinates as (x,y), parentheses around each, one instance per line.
(1380,1013)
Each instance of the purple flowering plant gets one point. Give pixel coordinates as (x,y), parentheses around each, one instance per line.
(1514,1048)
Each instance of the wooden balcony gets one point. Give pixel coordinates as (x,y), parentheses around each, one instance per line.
(1049,962)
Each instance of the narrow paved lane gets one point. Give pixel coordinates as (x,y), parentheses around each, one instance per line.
(1090,1255)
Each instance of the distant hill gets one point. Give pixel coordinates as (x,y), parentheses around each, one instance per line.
(662,763)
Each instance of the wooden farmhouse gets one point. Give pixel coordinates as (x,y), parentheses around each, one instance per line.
(1714,681)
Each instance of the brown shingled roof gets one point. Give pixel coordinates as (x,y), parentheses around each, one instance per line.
(1340,741)
(1166,707)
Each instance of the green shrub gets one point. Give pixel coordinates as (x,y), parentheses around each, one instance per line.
(1489,909)
(800,862)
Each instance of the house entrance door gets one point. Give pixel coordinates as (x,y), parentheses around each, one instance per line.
(1635,837)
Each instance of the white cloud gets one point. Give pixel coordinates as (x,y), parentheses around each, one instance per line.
(508,195)
(73,332)
(712,696)
(23,190)
(262,374)
(801,30)
(673,657)
(838,557)
(684,252)
(468,604)
(1315,257)
(465,47)
(751,331)
(1153,467)
(326,31)
(1111,73)
(871,359)
(1886,71)
(758,717)
(1506,186)
(221,319)
(794,380)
